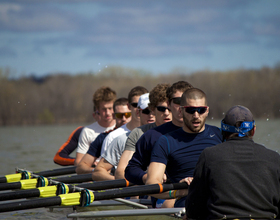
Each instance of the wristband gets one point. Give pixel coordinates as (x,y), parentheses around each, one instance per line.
(170,194)
(174,193)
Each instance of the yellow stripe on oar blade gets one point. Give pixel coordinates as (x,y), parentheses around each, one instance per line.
(70,199)
(28,184)
(47,191)
(31,183)
(13,177)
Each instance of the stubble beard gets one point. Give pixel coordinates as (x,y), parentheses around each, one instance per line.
(190,126)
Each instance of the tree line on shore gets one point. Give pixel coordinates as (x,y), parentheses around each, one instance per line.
(63,98)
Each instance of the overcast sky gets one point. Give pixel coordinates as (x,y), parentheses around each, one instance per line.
(46,36)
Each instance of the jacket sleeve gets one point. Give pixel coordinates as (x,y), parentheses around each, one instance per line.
(62,156)
(196,202)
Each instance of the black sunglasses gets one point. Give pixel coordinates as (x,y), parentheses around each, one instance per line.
(134,104)
(192,109)
(176,100)
(146,111)
(162,108)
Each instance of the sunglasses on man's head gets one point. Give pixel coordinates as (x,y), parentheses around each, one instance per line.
(162,108)
(146,111)
(193,109)
(134,104)
(120,115)
(176,100)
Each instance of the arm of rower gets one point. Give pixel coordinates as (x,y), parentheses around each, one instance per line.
(86,164)
(79,157)
(126,156)
(155,175)
(102,171)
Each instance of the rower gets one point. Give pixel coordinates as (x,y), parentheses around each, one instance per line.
(165,103)
(176,153)
(112,146)
(90,159)
(103,100)
(238,179)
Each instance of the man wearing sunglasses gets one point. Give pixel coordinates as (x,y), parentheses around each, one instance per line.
(176,153)
(89,160)
(116,138)
(135,172)
(147,120)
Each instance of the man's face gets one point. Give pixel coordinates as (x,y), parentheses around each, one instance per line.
(134,114)
(162,113)
(120,117)
(106,111)
(177,117)
(146,116)
(194,123)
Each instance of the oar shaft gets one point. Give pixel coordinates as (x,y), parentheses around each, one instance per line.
(80,198)
(37,192)
(3,179)
(33,183)
(20,194)
(29,204)
(11,178)
(65,200)
(10,186)
(54,172)
(138,191)
(73,179)
(100,185)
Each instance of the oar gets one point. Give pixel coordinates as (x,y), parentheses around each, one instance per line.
(85,197)
(24,174)
(53,172)
(41,181)
(62,188)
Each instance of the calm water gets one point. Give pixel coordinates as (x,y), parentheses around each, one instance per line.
(34,147)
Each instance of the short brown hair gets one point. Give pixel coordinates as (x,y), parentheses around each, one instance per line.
(181,86)
(136,91)
(193,93)
(120,101)
(158,94)
(103,94)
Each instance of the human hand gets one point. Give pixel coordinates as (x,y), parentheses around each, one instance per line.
(188,180)
(164,179)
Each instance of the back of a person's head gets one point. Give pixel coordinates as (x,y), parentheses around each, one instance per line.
(193,93)
(136,91)
(103,94)
(238,117)
(181,86)
(158,94)
(120,101)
